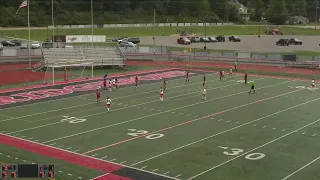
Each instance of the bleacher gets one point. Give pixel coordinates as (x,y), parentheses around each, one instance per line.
(98,56)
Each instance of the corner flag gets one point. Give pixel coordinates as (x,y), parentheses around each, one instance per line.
(22,5)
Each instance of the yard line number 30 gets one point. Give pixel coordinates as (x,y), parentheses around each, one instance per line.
(137,133)
(236,151)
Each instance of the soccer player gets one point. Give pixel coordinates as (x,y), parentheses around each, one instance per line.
(98,96)
(220,75)
(164,84)
(110,84)
(113,83)
(108,103)
(252,88)
(161,94)
(137,81)
(187,77)
(65,75)
(117,82)
(230,73)
(204,92)
(204,80)
(235,66)
(223,76)
(312,83)
(245,78)
(104,84)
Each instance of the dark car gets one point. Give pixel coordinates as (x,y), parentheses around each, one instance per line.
(117,39)
(220,38)
(16,42)
(282,42)
(7,43)
(295,41)
(192,39)
(234,39)
(134,40)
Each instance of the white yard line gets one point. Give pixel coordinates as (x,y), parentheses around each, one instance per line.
(93,102)
(36,127)
(182,107)
(93,92)
(222,132)
(254,149)
(295,172)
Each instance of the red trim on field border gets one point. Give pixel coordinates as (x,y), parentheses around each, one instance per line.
(110,177)
(84,80)
(71,157)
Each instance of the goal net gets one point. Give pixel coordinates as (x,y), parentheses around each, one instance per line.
(67,72)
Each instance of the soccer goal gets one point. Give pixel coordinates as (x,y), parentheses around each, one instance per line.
(67,72)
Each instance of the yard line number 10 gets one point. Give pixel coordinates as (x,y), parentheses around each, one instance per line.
(236,151)
(137,133)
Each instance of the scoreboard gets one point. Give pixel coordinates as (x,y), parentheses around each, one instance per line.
(11,171)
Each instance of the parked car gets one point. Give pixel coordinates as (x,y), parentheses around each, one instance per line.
(197,39)
(273,32)
(213,39)
(183,40)
(117,39)
(24,46)
(1,47)
(220,38)
(127,44)
(124,39)
(295,41)
(134,40)
(234,38)
(16,42)
(35,45)
(7,43)
(204,39)
(282,42)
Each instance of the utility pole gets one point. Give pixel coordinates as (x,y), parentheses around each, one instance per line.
(205,35)
(154,27)
(315,26)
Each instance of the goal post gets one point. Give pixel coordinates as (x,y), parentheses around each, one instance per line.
(66,72)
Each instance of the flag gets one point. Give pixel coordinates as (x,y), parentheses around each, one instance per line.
(22,5)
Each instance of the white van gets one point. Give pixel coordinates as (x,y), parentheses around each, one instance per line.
(1,47)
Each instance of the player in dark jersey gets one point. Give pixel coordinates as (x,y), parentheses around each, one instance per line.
(245,78)
(136,80)
(187,77)
(204,80)
(98,96)
(164,84)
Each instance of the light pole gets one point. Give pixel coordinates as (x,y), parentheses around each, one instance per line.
(205,35)
(154,27)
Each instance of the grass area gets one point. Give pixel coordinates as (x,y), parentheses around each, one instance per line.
(246,135)
(148,31)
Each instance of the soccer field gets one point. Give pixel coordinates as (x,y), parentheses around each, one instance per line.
(272,134)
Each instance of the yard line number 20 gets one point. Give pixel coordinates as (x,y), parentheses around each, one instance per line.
(236,151)
(137,133)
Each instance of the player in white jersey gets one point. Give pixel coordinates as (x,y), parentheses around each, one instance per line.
(110,84)
(312,83)
(204,92)
(161,94)
(230,73)
(108,103)
(223,77)
(114,83)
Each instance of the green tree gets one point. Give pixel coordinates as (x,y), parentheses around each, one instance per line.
(277,12)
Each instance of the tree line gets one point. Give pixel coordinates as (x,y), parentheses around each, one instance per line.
(75,12)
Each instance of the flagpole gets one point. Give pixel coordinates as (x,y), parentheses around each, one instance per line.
(29,43)
(52,21)
(91,23)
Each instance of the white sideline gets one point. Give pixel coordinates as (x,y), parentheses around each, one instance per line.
(295,172)
(91,93)
(103,127)
(80,96)
(222,132)
(272,141)
(113,110)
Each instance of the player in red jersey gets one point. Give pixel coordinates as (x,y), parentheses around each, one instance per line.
(187,76)
(65,75)
(204,80)
(161,94)
(220,75)
(104,84)
(164,84)
(98,96)
(108,103)
(136,80)
(245,78)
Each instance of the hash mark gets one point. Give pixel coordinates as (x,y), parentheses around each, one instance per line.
(52,144)
(60,146)
(8,155)
(228,121)
(212,118)
(188,114)
(180,113)
(264,126)
(104,157)
(132,129)
(112,160)
(79,177)
(16,158)
(283,129)
(23,136)
(167,172)
(95,155)
(24,160)
(314,135)
(69,174)
(60,171)
(144,167)
(237,122)
(155,170)
(196,116)
(123,162)
(304,133)
(30,138)
(273,128)
(178,175)
(69,148)
(223,147)
(220,120)
(254,125)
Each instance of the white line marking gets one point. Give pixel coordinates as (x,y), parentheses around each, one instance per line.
(104,157)
(304,133)
(141,104)
(237,122)
(283,129)
(222,147)
(123,162)
(79,177)
(314,135)
(295,172)
(188,114)
(8,156)
(222,132)
(178,175)
(94,155)
(154,170)
(254,149)
(227,121)
(180,113)
(166,172)
(220,120)
(273,128)
(77,150)
(52,144)
(212,118)
(24,160)
(144,167)
(112,160)
(69,148)
(254,125)
(16,158)
(60,146)
(264,126)
(69,174)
